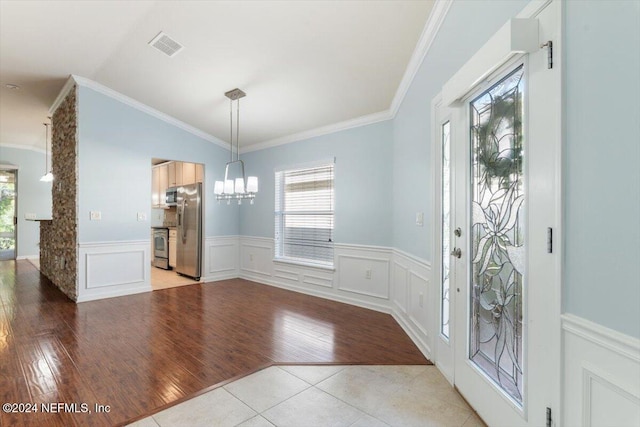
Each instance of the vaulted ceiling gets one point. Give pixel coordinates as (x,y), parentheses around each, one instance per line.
(303,64)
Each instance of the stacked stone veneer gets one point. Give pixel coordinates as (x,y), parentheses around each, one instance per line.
(59,237)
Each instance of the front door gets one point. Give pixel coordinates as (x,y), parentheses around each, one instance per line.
(8,217)
(504,267)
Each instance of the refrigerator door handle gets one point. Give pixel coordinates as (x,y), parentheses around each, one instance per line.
(184,221)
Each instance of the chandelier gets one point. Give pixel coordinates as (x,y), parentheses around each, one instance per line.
(236,185)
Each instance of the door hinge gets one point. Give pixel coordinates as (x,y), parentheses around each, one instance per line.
(549,421)
(549,240)
(549,46)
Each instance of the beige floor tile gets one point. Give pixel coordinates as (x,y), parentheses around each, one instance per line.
(401,373)
(165,279)
(313,374)
(215,408)
(266,388)
(369,421)
(420,404)
(313,408)
(145,422)
(432,383)
(361,387)
(474,421)
(257,421)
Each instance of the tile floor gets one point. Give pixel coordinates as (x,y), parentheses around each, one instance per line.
(164,279)
(308,396)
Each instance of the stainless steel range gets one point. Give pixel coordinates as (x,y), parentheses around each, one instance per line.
(161,247)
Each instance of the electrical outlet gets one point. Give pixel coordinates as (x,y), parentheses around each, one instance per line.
(421,300)
(30,216)
(251,257)
(367,274)
(142,216)
(95,215)
(419,219)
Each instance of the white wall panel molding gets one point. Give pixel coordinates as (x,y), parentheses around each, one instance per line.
(363,274)
(601,336)
(411,298)
(110,269)
(601,375)
(221,258)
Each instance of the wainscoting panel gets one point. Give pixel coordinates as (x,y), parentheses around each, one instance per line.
(109,269)
(365,275)
(221,258)
(256,256)
(413,300)
(601,375)
(400,283)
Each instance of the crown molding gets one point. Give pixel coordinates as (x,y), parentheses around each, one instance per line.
(88,83)
(324,130)
(22,147)
(429,32)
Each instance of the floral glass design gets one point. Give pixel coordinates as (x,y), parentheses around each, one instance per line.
(498,233)
(446,236)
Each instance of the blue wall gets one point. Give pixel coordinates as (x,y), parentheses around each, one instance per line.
(467,26)
(602,173)
(362,181)
(116,145)
(34,196)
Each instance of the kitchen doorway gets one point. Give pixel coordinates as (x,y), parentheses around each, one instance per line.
(8,214)
(176,223)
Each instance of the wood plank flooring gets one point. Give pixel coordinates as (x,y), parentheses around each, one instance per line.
(141,353)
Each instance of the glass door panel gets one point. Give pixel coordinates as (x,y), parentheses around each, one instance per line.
(498,233)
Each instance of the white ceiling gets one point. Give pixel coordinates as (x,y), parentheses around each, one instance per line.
(303,64)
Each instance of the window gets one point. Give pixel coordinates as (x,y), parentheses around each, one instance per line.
(304,215)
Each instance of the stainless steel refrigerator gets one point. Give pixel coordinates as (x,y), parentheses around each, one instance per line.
(189,230)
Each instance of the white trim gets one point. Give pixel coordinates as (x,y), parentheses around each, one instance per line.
(368,119)
(518,35)
(82,81)
(66,88)
(112,243)
(22,147)
(329,161)
(21,257)
(302,263)
(431,28)
(602,336)
(424,262)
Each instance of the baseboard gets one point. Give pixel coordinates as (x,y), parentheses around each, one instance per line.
(21,257)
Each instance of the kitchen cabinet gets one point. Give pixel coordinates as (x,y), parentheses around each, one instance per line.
(171,174)
(159,184)
(188,173)
(199,172)
(173,235)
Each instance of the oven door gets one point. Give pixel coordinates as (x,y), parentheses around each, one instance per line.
(161,244)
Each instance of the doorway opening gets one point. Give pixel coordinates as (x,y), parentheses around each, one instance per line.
(176,223)
(8,215)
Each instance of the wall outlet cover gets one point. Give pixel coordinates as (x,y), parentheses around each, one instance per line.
(95,215)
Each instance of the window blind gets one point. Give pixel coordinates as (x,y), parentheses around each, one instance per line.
(304,214)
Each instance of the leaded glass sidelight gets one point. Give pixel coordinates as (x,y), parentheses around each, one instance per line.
(497,233)
(445,216)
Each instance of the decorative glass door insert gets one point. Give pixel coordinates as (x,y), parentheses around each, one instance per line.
(446,237)
(498,233)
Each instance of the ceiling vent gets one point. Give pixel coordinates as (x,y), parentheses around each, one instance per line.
(166,44)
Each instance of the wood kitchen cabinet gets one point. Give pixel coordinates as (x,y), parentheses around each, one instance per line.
(171,174)
(159,184)
(199,172)
(188,173)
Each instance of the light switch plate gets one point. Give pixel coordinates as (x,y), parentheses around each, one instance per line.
(419,219)
(30,216)
(95,215)
(142,216)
